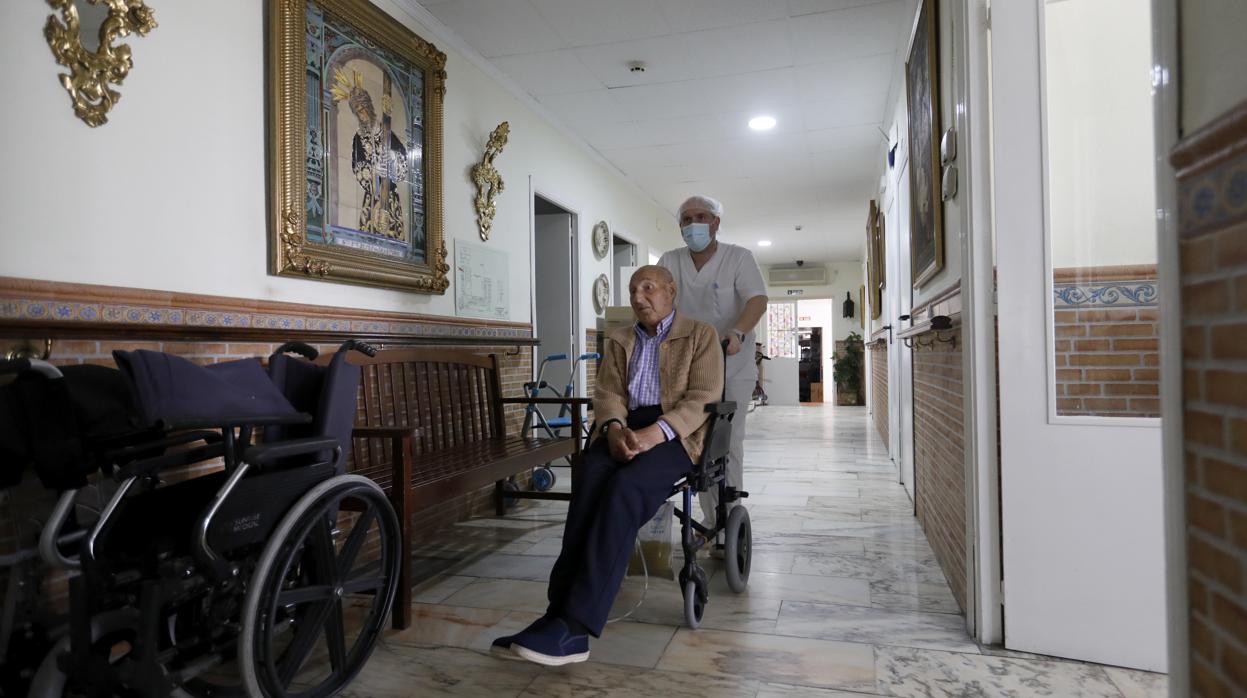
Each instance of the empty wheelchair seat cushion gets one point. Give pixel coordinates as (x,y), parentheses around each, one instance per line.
(176,393)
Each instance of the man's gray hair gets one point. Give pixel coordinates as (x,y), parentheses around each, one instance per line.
(704,203)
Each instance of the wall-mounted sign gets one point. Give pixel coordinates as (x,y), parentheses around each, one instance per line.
(796,291)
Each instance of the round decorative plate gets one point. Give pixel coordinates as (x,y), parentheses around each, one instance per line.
(601,239)
(601,293)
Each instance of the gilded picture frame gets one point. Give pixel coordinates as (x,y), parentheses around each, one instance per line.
(922,91)
(875,265)
(354,114)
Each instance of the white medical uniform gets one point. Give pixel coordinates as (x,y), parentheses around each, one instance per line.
(717,294)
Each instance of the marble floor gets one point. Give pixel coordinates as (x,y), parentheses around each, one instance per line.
(846,599)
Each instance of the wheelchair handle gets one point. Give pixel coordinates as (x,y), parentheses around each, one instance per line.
(303,349)
(590,356)
(39,366)
(556,357)
(362,347)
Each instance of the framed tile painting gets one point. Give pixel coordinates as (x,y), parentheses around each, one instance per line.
(922,89)
(355,147)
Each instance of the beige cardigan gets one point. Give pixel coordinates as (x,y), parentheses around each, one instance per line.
(690,374)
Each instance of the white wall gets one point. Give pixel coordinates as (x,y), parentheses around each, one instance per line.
(1213,55)
(1098,116)
(170,194)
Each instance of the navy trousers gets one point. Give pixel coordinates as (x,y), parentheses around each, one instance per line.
(610,502)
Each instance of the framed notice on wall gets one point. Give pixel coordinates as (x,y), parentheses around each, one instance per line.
(482,282)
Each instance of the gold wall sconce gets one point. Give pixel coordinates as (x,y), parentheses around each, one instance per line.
(93,72)
(488,182)
(28,349)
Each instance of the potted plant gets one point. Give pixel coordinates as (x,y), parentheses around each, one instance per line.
(848,371)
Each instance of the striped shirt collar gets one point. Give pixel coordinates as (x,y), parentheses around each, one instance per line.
(664,326)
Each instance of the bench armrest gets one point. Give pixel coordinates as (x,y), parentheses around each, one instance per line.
(365,432)
(546,400)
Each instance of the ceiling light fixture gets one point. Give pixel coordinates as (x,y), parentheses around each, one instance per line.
(764,243)
(762,123)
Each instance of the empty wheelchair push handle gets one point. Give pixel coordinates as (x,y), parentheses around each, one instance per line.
(557,357)
(590,356)
(362,347)
(303,349)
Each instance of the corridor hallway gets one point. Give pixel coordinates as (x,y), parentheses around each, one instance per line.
(845,599)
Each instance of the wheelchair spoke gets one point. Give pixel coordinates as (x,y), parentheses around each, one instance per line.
(304,640)
(346,560)
(308,594)
(335,633)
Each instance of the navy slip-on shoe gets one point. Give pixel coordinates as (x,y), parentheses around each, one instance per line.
(551,645)
(502,646)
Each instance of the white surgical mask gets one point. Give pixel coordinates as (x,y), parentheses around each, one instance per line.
(696,236)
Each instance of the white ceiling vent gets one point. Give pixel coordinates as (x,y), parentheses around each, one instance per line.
(796,276)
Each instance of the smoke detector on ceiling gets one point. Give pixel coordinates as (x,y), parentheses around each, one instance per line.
(636,66)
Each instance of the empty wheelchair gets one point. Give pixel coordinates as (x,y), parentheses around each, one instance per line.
(233,556)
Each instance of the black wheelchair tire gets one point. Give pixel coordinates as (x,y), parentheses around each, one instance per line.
(280,553)
(694,607)
(738,549)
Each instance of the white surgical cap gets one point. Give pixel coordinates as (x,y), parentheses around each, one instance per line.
(704,203)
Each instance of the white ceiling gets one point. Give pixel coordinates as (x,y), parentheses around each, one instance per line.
(823,68)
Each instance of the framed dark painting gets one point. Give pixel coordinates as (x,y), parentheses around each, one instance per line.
(922,91)
(355,147)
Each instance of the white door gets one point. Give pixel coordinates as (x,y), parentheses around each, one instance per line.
(1080,468)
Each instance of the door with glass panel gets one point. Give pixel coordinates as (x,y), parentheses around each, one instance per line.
(1081,484)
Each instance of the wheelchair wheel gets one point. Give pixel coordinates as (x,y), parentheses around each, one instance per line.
(738,549)
(543,478)
(321,591)
(694,604)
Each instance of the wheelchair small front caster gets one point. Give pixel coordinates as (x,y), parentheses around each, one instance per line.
(694,604)
(738,550)
(543,478)
(509,501)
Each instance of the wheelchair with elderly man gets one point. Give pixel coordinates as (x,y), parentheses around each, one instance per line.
(213,543)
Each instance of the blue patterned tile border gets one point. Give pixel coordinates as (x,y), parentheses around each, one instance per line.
(1108,294)
(1214,199)
(122,313)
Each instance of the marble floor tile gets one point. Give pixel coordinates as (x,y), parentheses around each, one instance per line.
(594,679)
(818,663)
(779,690)
(534,568)
(808,543)
(506,594)
(1139,684)
(434,625)
(918,673)
(663,604)
(400,672)
(875,626)
(631,644)
(438,588)
(797,587)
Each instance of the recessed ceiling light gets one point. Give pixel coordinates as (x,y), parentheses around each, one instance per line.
(762,123)
(764,243)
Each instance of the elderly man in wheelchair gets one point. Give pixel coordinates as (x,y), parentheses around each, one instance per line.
(660,421)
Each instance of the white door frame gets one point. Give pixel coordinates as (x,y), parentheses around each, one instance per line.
(984,613)
(578,332)
(1165,101)
(610,260)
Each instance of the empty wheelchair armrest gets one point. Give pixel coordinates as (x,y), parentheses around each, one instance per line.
(546,400)
(151,466)
(723,407)
(129,453)
(266,453)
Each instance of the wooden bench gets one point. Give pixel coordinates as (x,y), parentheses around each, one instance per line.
(433,421)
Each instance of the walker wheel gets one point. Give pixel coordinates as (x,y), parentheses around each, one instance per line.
(543,478)
(694,604)
(738,551)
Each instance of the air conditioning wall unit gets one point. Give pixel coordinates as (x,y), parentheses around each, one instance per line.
(797,276)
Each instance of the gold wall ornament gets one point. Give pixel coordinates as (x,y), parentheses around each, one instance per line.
(93,72)
(488,182)
(27,349)
(355,141)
